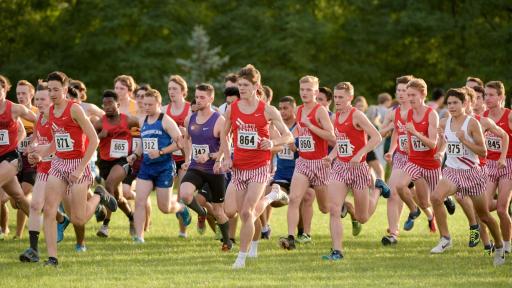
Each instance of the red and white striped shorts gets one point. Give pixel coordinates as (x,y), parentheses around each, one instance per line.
(416,172)
(495,174)
(63,168)
(241,178)
(41,177)
(399,160)
(354,175)
(317,173)
(469,182)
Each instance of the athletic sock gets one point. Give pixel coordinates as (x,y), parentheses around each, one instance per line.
(130,217)
(474,227)
(300,231)
(106,221)
(506,246)
(196,207)
(224,230)
(253,249)
(264,229)
(34,239)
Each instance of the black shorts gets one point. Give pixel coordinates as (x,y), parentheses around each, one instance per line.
(27,176)
(284,184)
(11,156)
(106,166)
(371,156)
(214,181)
(206,192)
(178,165)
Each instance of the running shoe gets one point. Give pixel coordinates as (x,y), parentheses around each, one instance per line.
(304,238)
(138,240)
(226,247)
(389,240)
(29,255)
(80,248)
(356,227)
(335,255)
(100,213)
(432,224)
(201,225)
(474,237)
(106,199)
(51,262)
(409,223)
(489,249)
(344,210)
(103,232)
(61,227)
(499,257)
(184,216)
(182,235)
(450,205)
(281,195)
(384,189)
(132,229)
(287,243)
(443,245)
(266,234)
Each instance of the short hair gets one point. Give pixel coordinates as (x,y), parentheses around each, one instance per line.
(268,92)
(384,97)
(250,73)
(458,93)
(310,79)
(498,85)
(347,86)
(110,94)
(28,84)
(73,93)
(153,93)
(207,88)
(231,77)
(327,92)
(361,99)
(180,81)
(80,86)
(231,91)
(418,84)
(469,92)
(475,79)
(41,85)
(288,99)
(404,79)
(127,81)
(479,89)
(437,93)
(144,87)
(59,77)
(6,84)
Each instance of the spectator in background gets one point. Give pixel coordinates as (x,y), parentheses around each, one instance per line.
(376,115)
(230,86)
(267,94)
(324,97)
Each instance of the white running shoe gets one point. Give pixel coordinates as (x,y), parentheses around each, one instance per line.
(103,232)
(239,263)
(280,194)
(444,244)
(253,250)
(499,257)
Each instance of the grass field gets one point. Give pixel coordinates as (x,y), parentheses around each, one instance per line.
(167,261)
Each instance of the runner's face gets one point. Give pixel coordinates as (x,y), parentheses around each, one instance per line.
(471,84)
(110,106)
(24,95)
(479,103)
(308,92)
(455,106)
(246,88)
(121,90)
(175,92)
(203,100)
(286,110)
(342,99)
(42,100)
(151,106)
(322,99)
(56,92)
(401,93)
(139,98)
(492,99)
(415,97)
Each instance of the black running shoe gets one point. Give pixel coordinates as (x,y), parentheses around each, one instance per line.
(106,199)
(474,237)
(51,262)
(489,249)
(389,240)
(29,255)
(450,205)
(287,243)
(100,213)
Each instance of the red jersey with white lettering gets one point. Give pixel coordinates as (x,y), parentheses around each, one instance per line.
(493,142)
(8,130)
(248,131)
(401,131)
(118,142)
(419,153)
(69,137)
(483,160)
(311,146)
(180,120)
(43,132)
(349,139)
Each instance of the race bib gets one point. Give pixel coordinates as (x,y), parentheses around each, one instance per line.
(493,143)
(417,145)
(455,149)
(286,153)
(402,142)
(63,142)
(149,144)
(247,139)
(4,137)
(344,147)
(199,150)
(118,148)
(306,144)
(24,144)
(136,142)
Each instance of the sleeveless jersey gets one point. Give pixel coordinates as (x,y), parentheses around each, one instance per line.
(493,142)
(180,121)
(118,142)
(401,132)
(154,137)
(311,146)
(248,130)
(483,160)
(203,141)
(285,165)
(458,156)
(8,130)
(349,140)
(420,154)
(29,128)
(69,137)
(43,134)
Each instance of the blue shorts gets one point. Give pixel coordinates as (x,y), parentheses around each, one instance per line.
(161,174)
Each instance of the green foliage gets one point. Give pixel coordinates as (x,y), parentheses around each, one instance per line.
(368,42)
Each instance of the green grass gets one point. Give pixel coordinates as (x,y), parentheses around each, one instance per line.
(167,261)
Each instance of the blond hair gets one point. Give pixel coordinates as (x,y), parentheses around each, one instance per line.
(498,85)
(127,81)
(181,82)
(310,79)
(28,84)
(347,86)
(418,84)
(153,93)
(250,73)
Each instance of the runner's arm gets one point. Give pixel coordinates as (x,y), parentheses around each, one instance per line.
(22,133)
(489,125)
(327,130)
(79,117)
(274,116)
(373,134)
(475,132)
(174,131)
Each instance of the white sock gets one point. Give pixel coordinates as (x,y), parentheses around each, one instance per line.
(240,260)
(265,228)
(253,250)
(506,246)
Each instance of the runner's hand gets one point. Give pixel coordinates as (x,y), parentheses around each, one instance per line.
(202,158)
(356,159)
(410,128)
(266,144)
(227,164)
(388,157)
(217,167)
(131,159)
(502,163)
(327,161)
(76,175)
(103,134)
(185,165)
(153,154)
